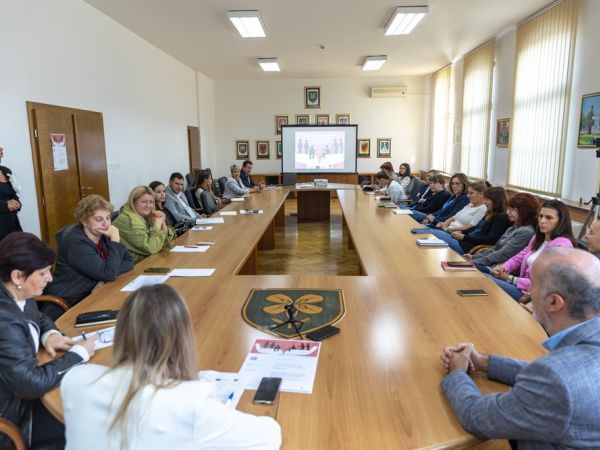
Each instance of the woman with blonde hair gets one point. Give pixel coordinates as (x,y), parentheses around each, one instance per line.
(150,396)
(89,252)
(143,229)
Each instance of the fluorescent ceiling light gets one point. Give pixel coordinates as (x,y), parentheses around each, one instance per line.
(269,64)
(248,23)
(374,62)
(404,19)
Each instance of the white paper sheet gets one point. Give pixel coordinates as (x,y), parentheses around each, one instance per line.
(201,228)
(190,248)
(294,361)
(144,280)
(229,386)
(246,212)
(210,220)
(228,213)
(105,339)
(402,212)
(238,199)
(191,272)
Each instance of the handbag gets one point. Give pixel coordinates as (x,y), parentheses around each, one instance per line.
(181,227)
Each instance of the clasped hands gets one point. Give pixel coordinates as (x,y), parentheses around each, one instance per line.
(13,205)
(463,357)
(499,272)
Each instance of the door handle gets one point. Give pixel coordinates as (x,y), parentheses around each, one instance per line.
(83,188)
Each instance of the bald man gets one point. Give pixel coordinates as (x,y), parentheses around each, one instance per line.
(593,238)
(554,402)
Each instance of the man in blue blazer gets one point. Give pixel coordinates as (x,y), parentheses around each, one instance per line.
(554,402)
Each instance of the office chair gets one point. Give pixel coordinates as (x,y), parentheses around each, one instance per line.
(222,183)
(13,433)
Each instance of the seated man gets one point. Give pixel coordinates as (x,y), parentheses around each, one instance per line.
(393,188)
(177,203)
(593,238)
(553,402)
(245,175)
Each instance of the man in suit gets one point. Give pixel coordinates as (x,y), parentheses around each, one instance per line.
(245,175)
(554,400)
(177,203)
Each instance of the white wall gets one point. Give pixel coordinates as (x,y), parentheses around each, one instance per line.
(245,110)
(67,53)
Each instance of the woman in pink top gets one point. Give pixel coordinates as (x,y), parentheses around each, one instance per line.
(552,230)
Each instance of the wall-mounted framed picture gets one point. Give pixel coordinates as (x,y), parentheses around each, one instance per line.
(279,147)
(302,119)
(589,121)
(242,149)
(312,97)
(502,132)
(364,148)
(384,147)
(280,121)
(262,150)
(322,119)
(342,119)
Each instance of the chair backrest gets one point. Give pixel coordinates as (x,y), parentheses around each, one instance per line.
(216,188)
(190,179)
(190,194)
(222,183)
(13,433)
(114,215)
(415,186)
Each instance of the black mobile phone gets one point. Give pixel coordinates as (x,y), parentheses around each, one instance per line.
(267,390)
(471,292)
(323,333)
(157,270)
(416,230)
(459,264)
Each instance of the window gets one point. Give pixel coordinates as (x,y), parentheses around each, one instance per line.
(540,107)
(477,94)
(440,121)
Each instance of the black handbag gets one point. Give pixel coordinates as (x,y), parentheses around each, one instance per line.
(181,227)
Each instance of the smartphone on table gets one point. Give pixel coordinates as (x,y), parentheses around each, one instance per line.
(471,292)
(323,333)
(267,390)
(459,264)
(157,270)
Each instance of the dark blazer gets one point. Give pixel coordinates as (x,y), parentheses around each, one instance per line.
(451,207)
(21,378)
(433,202)
(486,232)
(79,266)
(9,220)
(246,179)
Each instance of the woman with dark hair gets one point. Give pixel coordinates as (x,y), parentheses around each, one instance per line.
(553,230)
(89,253)
(522,211)
(160,196)
(25,264)
(150,396)
(203,191)
(459,184)
(10,205)
(404,176)
(388,169)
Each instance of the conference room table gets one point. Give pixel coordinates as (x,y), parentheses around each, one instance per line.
(377,382)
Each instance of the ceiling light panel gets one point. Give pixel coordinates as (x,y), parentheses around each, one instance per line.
(248,23)
(269,64)
(374,62)
(405,19)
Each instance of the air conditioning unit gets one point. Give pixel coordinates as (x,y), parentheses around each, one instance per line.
(388,91)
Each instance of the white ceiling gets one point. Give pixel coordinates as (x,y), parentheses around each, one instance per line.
(198,33)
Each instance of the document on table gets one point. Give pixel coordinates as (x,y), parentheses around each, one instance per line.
(250,211)
(191,272)
(144,280)
(401,212)
(201,228)
(229,387)
(105,339)
(210,220)
(190,248)
(238,199)
(228,213)
(294,361)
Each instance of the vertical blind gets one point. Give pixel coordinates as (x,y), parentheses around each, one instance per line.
(542,85)
(440,110)
(477,100)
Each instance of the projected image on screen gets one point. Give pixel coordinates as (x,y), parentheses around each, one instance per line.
(319,151)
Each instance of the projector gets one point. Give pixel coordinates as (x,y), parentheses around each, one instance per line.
(320,182)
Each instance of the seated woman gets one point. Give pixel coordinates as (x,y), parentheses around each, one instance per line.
(388,169)
(150,396)
(88,253)
(522,211)
(457,201)
(553,230)
(25,264)
(392,187)
(404,177)
(206,198)
(160,196)
(436,200)
(490,228)
(235,187)
(143,229)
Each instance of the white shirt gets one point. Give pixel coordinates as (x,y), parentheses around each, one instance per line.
(470,215)
(395,191)
(176,418)
(531,259)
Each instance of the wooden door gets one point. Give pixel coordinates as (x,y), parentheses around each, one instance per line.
(61,183)
(194,147)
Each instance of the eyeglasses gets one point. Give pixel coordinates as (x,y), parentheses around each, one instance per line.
(456,183)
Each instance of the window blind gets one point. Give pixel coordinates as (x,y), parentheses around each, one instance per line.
(440,113)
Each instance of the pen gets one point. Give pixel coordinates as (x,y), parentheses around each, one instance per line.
(229,399)
(205,243)
(83,336)
(190,246)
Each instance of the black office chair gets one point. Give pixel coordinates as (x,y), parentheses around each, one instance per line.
(114,215)
(190,194)
(190,179)
(222,183)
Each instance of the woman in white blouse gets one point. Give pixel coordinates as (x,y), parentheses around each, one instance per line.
(235,187)
(150,396)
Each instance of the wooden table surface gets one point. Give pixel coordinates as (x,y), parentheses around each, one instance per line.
(377,382)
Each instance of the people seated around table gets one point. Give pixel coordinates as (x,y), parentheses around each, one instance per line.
(404,176)
(593,238)
(176,202)
(234,187)
(392,187)
(522,212)
(424,193)
(143,229)
(553,400)
(435,199)
(160,197)
(89,253)
(150,396)
(25,264)
(489,229)
(388,169)
(245,175)
(459,184)
(206,198)
(553,229)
